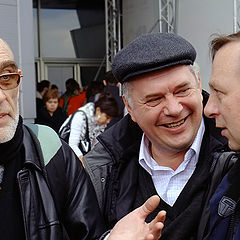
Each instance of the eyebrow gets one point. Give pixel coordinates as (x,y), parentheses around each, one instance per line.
(152,96)
(181,85)
(8,63)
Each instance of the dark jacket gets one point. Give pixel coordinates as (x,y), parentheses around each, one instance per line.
(55,121)
(114,170)
(225,207)
(57,198)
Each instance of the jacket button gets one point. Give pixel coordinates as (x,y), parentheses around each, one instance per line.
(102,179)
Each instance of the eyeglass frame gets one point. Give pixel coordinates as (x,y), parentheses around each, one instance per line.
(19,73)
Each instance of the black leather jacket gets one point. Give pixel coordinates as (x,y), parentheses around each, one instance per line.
(58,199)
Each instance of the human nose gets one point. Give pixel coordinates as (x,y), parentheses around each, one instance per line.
(211,108)
(172,106)
(2,95)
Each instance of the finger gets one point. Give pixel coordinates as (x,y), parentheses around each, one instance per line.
(156,225)
(149,206)
(156,232)
(161,216)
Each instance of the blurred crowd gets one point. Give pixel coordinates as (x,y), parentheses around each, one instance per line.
(87,110)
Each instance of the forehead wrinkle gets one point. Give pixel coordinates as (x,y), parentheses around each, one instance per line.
(8,63)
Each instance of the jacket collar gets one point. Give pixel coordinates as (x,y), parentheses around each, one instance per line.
(31,155)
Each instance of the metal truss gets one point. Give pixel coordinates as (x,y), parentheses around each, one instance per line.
(167,15)
(236,16)
(166,23)
(113,30)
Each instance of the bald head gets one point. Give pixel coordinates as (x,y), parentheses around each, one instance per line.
(6,56)
(5,50)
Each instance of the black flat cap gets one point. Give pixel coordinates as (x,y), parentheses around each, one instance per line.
(152,52)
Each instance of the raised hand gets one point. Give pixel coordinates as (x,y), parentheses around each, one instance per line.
(134,227)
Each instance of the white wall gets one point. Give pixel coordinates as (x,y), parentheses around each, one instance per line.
(16,28)
(139,17)
(197,20)
(26,59)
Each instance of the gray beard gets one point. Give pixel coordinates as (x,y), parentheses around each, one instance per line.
(7,133)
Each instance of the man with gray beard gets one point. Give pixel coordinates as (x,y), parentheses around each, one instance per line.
(49,196)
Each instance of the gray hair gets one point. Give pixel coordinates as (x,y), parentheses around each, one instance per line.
(195,70)
(126,88)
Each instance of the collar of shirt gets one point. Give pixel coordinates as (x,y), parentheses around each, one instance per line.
(150,165)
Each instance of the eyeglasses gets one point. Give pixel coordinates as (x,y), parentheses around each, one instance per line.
(9,80)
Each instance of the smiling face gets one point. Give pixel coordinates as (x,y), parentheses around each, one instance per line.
(167,105)
(9,113)
(223,104)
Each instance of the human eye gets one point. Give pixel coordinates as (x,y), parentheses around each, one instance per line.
(5,77)
(215,90)
(218,93)
(9,80)
(153,101)
(182,92)
(5,81)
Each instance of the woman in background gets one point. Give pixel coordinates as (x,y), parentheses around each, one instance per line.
(97,115)
(51,114)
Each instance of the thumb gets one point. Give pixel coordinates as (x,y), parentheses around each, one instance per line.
(149,206)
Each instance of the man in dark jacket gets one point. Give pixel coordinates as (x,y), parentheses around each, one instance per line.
(223,105)
(45,194)
(165,145)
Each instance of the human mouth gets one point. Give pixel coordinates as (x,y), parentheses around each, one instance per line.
(175,124)
(3,115)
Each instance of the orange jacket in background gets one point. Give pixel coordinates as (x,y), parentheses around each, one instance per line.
(74,102)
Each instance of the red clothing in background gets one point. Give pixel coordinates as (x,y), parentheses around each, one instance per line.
(74,102)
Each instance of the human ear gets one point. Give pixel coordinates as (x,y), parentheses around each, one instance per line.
(129,108)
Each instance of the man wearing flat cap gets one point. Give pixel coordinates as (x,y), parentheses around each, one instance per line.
(164,145)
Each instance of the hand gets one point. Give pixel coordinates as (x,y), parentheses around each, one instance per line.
(134,227)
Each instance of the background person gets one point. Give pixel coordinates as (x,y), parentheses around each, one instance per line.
(54,87)
(73,98)
(98,114)
(51,114)
(42,88)
(94,89)
(112,85)
(165,145)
